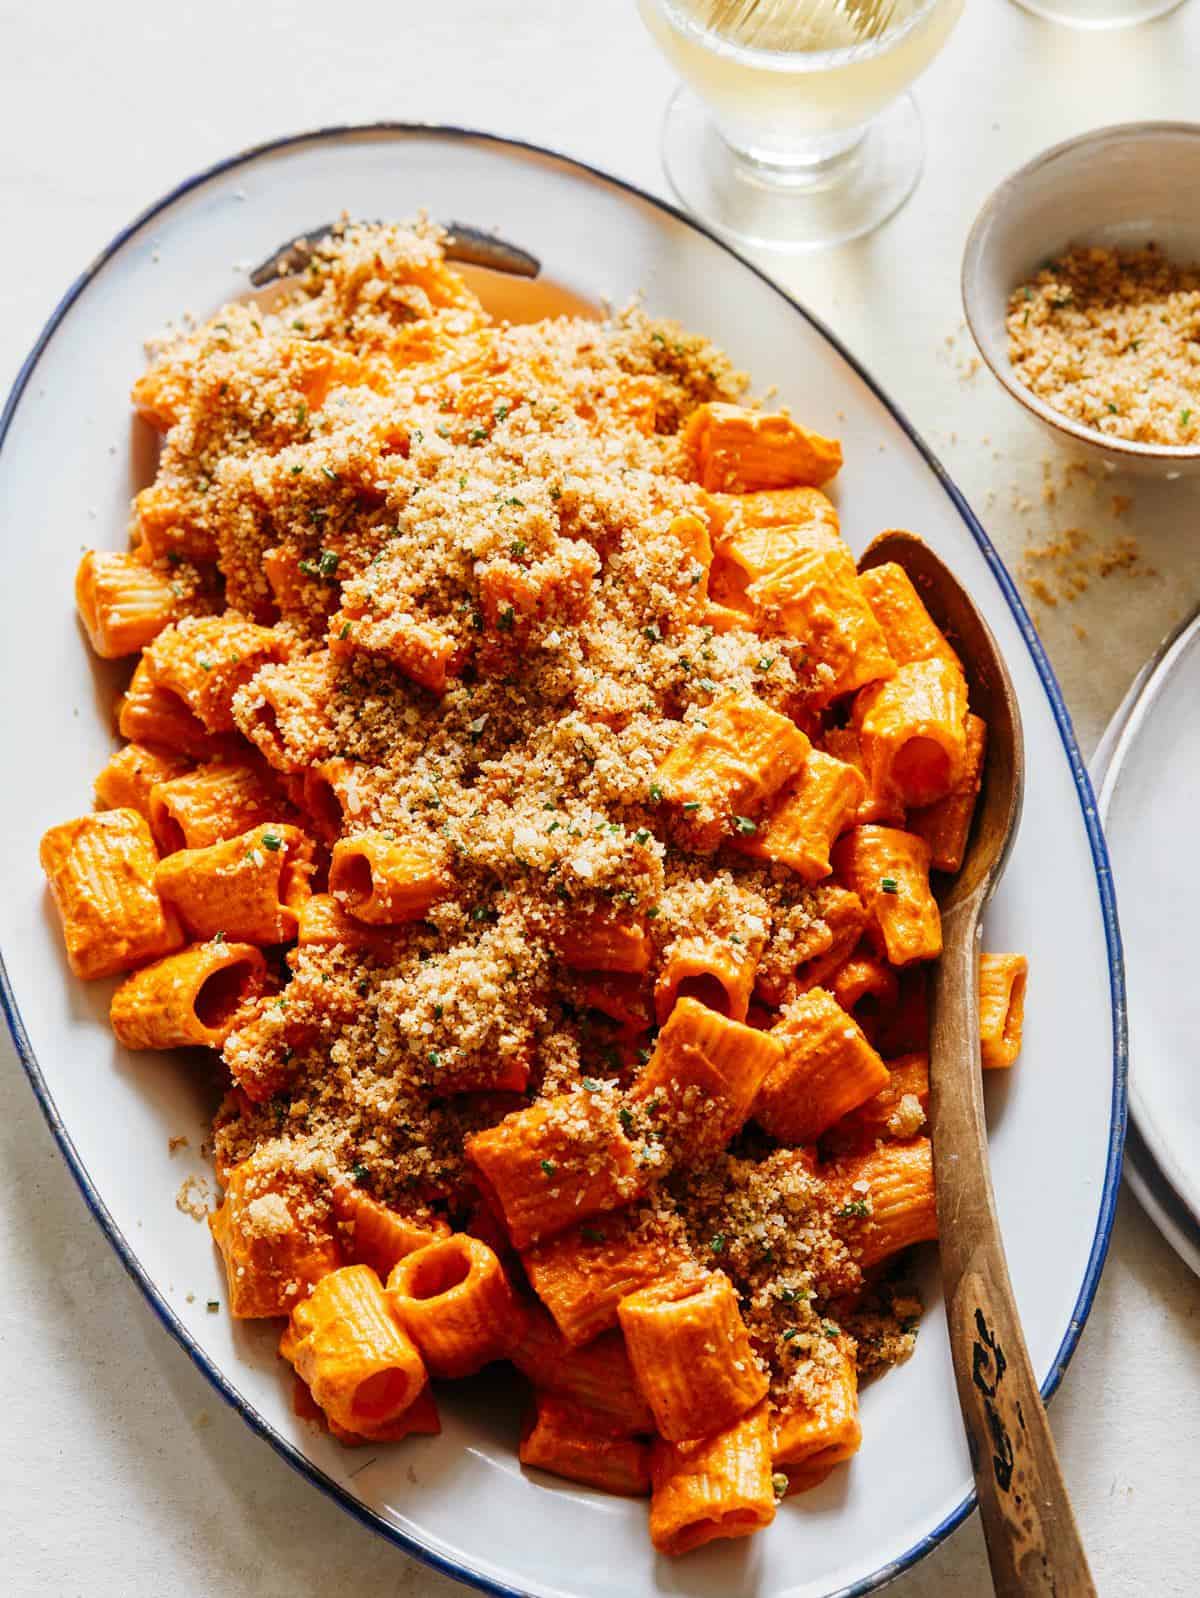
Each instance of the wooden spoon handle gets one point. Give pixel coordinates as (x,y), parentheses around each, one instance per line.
(1032,1539)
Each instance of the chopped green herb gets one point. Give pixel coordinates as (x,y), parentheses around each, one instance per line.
(1184,417)
(328,563)
(625,1116)
(345,632)
(548,1167)
(591,1084)
(716,1243)
(434,1058)
(505,620)
(856,1208)
(692,804)
(656,794)
(272,841)
(360,1174)
(888,885)
(744,824)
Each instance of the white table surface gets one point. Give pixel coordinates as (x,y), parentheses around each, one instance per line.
(123,1475)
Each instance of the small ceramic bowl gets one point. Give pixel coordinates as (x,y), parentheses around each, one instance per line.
(1121,186)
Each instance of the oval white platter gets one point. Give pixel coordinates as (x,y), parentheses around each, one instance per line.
(70,460)
(1148,765)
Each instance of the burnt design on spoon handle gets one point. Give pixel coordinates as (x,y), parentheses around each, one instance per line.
(1033,1543)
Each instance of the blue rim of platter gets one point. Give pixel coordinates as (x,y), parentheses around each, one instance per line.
(1062,717)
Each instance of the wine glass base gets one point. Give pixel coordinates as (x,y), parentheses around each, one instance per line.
(770,207)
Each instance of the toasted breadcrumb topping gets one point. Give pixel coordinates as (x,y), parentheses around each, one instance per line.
(464,536)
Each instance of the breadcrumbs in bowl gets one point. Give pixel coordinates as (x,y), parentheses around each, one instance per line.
(1111,339)
(1081,289)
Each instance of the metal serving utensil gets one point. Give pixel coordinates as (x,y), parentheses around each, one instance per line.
(1033,1543)
(470,245)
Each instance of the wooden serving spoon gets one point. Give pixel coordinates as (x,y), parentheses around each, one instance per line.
(1033,1542)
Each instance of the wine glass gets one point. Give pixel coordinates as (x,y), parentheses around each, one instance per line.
(1099,13)
(794,128)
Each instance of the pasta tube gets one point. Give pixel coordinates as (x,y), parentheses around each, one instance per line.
(360,1366)
(126,781)
(384,881)
(170,526)
(100,870)
(559,1162)
(419,649)
(718,1486)
(222,800)
(878,804)
(323,923)
(945,825)
(374,1235)
(122,602)
(704,1074)
(193,997)
(728,765)
(153,714)
(814,595)
(715,970)
(864,978)
(583,1274)
(605,941)
(911,632)
(817,1423)
(275,1236)
(913,733)
(737,450)
(598,1376)
(828,1068)
(284,710)
(250,888)
(582,1446)
(204,660)
(453,1299)
(691,1354)
(800,828)
(1002,979)
(889,870)
(886,1199)
(896,1112)
(772,507)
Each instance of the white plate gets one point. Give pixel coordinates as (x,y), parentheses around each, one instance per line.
(1149,804)
(69,464)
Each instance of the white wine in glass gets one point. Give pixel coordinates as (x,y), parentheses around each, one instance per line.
(794,128)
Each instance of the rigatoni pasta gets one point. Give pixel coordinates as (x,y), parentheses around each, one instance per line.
(540,818)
